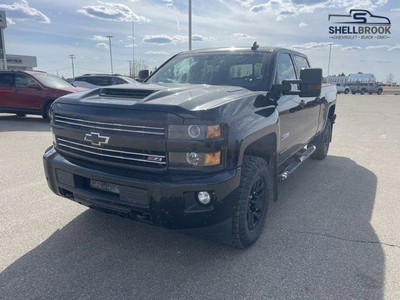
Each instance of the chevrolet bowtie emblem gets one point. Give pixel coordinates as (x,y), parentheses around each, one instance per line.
(96,139)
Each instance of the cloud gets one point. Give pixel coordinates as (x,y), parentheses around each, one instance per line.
(377,47)
(111,12)
(129,45)
(351,48)
(21,11)
(99,38)
(287,8)
(394,48)
(395,9)
(246,3)
(243,36)
(157,53)
(313,45)
(302,24)
(175,39)
(10,21)
(102,45)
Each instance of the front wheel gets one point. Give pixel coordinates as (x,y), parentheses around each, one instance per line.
(250,210)
(353,93)
(46,112)
(362,92)
(322,142)
(346,91)
(380,92)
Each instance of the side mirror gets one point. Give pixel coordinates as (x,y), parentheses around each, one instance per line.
(310,82)
(34,86)
(143,74)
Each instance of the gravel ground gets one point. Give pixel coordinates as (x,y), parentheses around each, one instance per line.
(334,234)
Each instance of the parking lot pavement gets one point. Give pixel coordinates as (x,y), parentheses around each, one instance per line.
(334,233)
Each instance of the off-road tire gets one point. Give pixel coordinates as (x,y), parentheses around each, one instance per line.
(354,93)
(346,91)
(322,142)
(254,171)
(380,91)
(362,92)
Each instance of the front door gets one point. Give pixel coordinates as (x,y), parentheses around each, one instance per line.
(6,90)
(290,111)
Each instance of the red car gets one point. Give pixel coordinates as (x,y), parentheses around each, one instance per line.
(31,92)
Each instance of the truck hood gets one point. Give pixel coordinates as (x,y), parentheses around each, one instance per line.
(188,98)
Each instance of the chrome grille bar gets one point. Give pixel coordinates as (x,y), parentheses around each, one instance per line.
(68,145)
(110,126)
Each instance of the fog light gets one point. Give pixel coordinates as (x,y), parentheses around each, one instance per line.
(193,158)
(204,197)
(194,131)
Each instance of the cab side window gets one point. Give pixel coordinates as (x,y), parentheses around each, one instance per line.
(301,62)
(23,81)
(285,70)
(6,80)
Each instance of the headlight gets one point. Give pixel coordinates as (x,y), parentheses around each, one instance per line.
(193,132)
(194,159)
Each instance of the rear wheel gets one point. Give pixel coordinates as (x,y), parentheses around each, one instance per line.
(362,92)
(250,210)
(353,93)
(322,142)
(380,91)
(346,91)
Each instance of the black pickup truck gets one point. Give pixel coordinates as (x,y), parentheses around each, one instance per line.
(200,146)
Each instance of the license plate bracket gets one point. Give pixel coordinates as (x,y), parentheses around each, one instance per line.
(105,186)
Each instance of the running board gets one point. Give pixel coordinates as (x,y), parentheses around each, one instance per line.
(294,165)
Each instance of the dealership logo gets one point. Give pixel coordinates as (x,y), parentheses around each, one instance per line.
(96,139)
(359,24)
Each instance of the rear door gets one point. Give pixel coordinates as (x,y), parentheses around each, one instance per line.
(6,90)
(311,105)
(290,110)
(27,97)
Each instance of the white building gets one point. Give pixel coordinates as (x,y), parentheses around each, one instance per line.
(21,62)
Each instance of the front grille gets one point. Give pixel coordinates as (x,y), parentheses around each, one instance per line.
(107,126)
(123,157)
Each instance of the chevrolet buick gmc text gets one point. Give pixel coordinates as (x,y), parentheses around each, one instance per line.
(199,146)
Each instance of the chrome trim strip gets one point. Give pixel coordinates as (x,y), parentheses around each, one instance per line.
(107,128)
(109,150)
(112,156)
(110,124)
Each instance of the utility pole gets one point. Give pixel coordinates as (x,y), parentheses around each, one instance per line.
(109,44)
(190,25)
(72,57)
(133,72)
(130,68)
(329,60)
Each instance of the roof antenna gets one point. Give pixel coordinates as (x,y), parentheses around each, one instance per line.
(255,46)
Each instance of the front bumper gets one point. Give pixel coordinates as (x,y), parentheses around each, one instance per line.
(169,201)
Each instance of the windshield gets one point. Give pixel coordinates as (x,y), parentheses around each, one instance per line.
(52,81)
(246,70)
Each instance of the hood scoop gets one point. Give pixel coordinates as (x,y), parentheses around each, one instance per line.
(126,93)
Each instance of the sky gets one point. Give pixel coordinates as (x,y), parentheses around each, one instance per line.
(54,29)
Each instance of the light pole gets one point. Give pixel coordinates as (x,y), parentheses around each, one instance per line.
(72,57)
(109,44)
(133,48)
(130,68)
(329,60)
(190,25)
